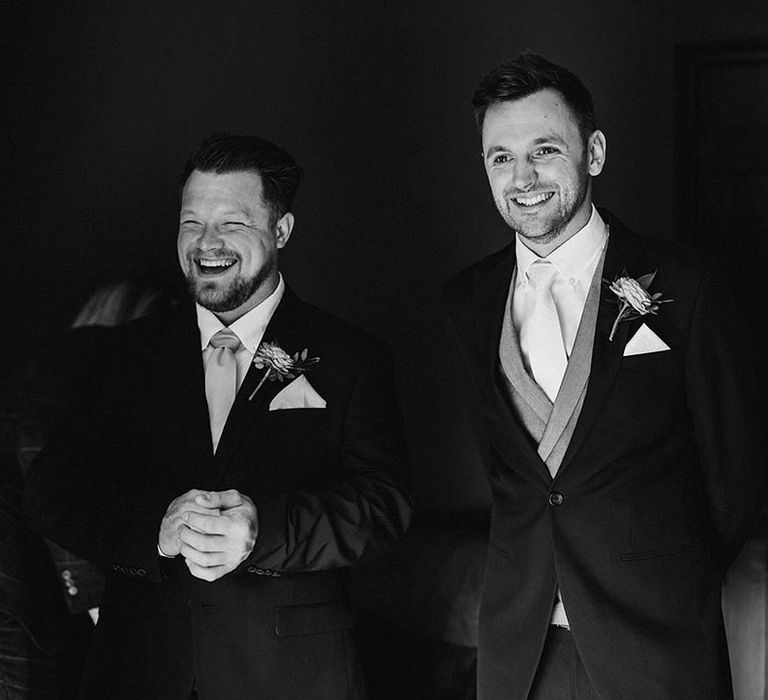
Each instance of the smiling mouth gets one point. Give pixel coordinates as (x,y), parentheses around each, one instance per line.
(532,200)
(214,266)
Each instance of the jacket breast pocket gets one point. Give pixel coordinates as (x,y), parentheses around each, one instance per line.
(312,618)
(290,420)
(659,362)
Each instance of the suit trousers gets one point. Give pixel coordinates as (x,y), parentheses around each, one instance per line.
(561,675)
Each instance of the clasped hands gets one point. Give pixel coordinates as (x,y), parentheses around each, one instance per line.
(213,530)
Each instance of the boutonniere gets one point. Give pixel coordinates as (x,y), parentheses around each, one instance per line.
(633,298)
(279,364)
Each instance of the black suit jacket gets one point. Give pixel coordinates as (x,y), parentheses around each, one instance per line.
(664,472)
(329,485)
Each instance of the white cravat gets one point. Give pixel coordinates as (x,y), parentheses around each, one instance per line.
(221,380)
(541,334)
(575,261)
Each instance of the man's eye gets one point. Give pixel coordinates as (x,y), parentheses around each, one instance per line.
(501,159)
(190,224)
(546,151)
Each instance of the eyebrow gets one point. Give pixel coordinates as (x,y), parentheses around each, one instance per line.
(495,149)
(549,139)
(229,213)
(536,142)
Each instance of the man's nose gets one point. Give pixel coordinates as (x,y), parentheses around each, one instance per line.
(524,174)
(209,238)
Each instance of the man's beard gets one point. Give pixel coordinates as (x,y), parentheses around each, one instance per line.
(235,294)
(545,230)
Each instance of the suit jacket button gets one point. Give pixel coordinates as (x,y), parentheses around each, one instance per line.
(72,590)
(556,498)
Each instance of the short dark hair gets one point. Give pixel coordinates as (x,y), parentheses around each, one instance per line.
(530,73)
(227,153)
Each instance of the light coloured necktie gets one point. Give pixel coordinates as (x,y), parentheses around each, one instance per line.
(541,333)
(221,380)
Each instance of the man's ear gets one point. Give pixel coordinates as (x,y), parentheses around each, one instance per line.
(596,147)
(283,229)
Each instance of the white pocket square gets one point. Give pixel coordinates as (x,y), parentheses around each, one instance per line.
(644,341)
(298,394)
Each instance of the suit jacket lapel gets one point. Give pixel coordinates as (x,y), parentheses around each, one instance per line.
(175,401)
(571,394)
(622,254)
(282,329)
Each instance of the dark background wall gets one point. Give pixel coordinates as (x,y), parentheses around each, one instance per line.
(104,100)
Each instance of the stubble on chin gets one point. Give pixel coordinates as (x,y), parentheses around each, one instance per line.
(543,231)
(541,235)
(550,228)
(210,296)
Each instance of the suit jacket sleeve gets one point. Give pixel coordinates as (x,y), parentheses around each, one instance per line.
(726,403)
(368,507)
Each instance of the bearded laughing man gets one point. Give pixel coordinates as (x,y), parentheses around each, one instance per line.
(228,462)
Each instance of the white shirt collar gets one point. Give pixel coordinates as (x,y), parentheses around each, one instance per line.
(574,255)
(249,328)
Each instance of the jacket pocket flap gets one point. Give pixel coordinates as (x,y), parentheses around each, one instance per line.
(312,618)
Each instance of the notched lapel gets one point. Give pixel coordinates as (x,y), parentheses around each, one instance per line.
(607,355)
(572,392)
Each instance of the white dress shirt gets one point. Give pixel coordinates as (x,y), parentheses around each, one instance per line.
(249,328)
(575,261)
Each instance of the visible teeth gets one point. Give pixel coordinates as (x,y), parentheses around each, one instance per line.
(536,199)
(216,263)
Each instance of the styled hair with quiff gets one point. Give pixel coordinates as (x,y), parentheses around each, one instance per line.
(530,73)
(228,153)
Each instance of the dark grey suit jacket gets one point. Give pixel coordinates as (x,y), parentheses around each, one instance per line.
(662,477)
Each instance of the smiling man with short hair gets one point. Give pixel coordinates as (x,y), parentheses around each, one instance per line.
(622,420)
(541,177)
